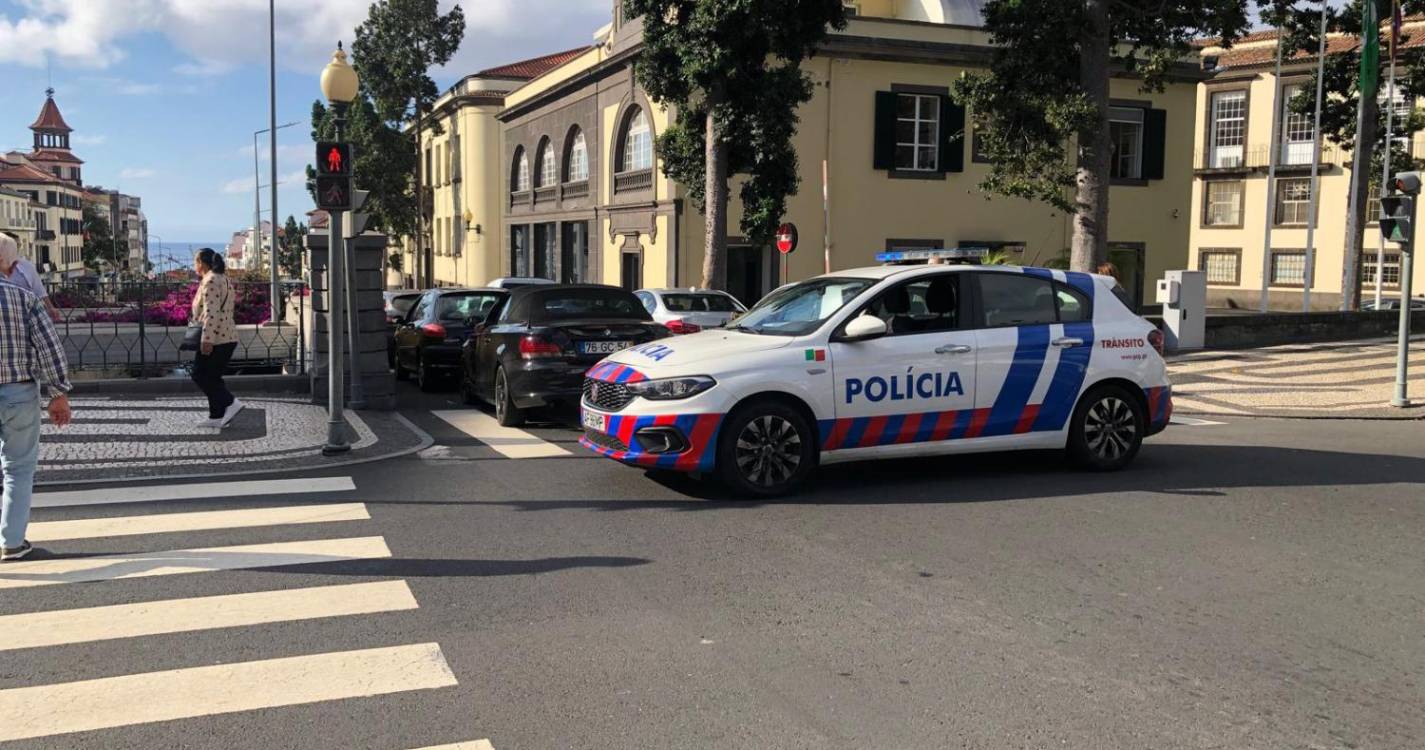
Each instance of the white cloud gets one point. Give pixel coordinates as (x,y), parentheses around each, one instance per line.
(136,173)
(89,140)
(244,184)
(221,34)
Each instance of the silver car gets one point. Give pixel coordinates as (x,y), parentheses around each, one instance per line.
(690,310)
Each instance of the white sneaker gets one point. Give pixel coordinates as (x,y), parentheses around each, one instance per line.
(233,409)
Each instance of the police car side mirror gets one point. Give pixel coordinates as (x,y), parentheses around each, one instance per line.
(864,328)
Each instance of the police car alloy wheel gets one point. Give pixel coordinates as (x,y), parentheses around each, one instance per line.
(506,413)
(766,449)
(1107,430)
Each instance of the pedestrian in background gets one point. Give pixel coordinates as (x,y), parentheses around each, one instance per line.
(31,357)
(22,273)
(1108,269)
(213,309)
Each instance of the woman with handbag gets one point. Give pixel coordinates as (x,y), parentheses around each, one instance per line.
(212,332)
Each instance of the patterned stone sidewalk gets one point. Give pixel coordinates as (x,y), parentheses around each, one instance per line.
(117,439)
(1352,380)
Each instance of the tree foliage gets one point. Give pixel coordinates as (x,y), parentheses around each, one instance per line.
(739,60)
(289,253)
(1041,108)
(101,251)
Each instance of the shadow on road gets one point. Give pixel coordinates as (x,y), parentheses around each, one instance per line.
(1179,470)
(456,568)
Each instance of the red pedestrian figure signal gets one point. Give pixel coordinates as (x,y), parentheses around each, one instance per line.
(333,158)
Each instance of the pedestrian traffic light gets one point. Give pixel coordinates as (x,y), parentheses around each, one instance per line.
(1396,212)
(1406,182)
(334,192)
(333,158)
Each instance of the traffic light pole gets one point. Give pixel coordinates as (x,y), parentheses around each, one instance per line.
(353,353)
(1402,361)
(336,274)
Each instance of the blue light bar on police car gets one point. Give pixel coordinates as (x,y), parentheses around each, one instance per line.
(958,254)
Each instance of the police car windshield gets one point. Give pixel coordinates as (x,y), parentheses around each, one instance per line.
(801,309)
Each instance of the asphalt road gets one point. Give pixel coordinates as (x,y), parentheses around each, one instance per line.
(1254,584)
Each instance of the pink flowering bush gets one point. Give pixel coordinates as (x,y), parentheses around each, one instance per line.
(250,307)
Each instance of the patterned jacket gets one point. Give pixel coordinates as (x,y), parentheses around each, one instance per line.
(30,349)
(213,308)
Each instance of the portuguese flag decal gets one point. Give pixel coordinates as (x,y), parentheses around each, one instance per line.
(816,355)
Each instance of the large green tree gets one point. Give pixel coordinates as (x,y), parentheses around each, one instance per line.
(383,162)
(289,255)
(1042,107)
(1346,119)
(101,250)
(731,70)
(394,50)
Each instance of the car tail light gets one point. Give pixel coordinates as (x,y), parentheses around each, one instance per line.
(1155,338)
(534,347)
(434,330)
(680,326)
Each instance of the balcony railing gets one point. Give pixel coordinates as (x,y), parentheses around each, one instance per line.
(520,198)
(578,189)
(21,224)
(45,235)
(1257,158)
(545,195)
(628,182)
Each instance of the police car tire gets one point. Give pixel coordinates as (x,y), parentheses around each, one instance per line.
(1079,448)
(727,465)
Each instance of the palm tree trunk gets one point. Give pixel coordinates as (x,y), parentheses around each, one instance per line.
(715,236)
(1089,245)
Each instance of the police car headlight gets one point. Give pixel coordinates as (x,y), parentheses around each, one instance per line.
(671,389)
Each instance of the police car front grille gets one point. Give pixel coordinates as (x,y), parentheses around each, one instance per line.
(606,396)
(605,441)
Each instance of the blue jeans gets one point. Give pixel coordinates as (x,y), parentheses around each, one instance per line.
(19,452)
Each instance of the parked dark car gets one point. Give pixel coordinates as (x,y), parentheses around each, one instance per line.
(534,348)
(428,340)
(398,303)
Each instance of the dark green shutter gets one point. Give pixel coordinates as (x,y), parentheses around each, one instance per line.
(885,146)
(952,136)
(1155,142)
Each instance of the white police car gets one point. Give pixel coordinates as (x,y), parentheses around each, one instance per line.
(885,362)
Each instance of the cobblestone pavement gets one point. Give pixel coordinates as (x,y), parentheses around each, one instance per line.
(123,438)
(1340,380)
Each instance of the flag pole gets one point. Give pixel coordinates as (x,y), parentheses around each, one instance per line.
(1272,147)
(1307,275)
(1389,147)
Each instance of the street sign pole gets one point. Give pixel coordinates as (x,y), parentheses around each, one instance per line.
(1402,357)
(337,442)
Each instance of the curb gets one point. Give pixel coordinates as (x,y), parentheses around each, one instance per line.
(1418,417)
(424,440)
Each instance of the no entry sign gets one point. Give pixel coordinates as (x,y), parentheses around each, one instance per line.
(787,238)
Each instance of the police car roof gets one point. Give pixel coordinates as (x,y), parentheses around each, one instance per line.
(884,272)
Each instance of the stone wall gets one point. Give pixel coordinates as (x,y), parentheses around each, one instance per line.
(377,381)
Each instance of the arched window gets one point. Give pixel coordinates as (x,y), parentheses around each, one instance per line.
(519,175)
(576,158)
(545,165)
(637,142)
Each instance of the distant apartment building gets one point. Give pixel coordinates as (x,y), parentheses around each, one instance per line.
(1234,150)
(17,218)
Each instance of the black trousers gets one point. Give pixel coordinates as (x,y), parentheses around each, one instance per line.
(208,372)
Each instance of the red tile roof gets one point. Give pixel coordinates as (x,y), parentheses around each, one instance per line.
(50,118)
(1258,48)
(51,154)
(533,68)
(24,173)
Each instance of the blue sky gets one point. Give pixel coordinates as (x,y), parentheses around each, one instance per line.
(164,95)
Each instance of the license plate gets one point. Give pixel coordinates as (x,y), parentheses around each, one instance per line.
(603,347)
(595,421)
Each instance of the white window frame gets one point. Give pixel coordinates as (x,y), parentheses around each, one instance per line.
(1206,257)
(1131,117)
(548,165)
(578,158)
(1300,202)
(1298,136)
(1214,216)
(522,172)
(637,143)
(1227,136)
(919,117)
(1276,279)
(1392,268)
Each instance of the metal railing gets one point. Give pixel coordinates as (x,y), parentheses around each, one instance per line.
(134,328)
(1257,158)
(578,189)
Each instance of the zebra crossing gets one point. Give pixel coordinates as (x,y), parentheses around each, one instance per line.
(201,686)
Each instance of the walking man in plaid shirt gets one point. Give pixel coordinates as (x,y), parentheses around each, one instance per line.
(30,358)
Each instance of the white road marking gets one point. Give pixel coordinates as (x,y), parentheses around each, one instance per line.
(47,710)
(507,441)
(1193,422)
(41,572)
(205,490)
(476,745)
(55,628)
(94,528)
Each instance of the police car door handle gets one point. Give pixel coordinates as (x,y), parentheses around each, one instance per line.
(954,349)
(1068,342)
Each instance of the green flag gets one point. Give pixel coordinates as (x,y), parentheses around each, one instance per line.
(1370,49)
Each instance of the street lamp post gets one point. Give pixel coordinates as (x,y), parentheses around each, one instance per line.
(275,316)
(339,85)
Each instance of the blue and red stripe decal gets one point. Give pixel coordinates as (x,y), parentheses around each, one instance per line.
(701,431)
(613,372)
(1160,405)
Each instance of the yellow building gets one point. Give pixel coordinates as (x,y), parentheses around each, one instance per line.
(50,176)
(464,180)
(1233,147)
(584,198)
